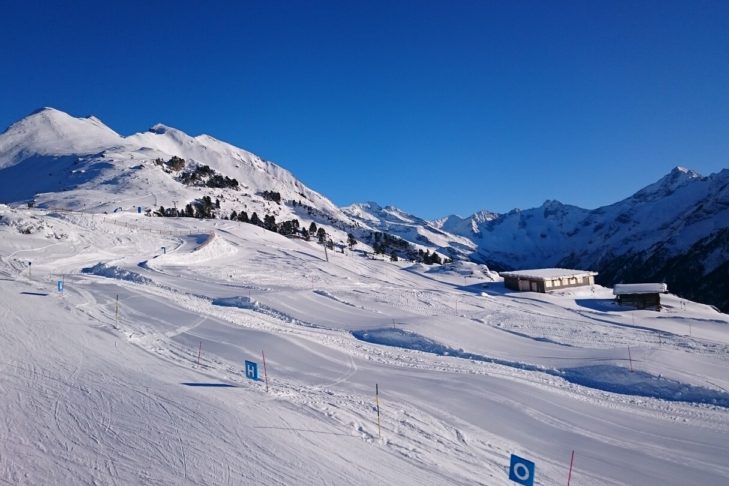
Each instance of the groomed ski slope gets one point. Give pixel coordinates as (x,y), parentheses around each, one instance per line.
(468,372)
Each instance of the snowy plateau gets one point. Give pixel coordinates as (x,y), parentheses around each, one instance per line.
(125,334)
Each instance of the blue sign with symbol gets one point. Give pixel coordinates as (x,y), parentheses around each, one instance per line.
(252,370)
(521,470)
(60,285)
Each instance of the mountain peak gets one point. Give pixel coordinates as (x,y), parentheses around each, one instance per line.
(45,109)
(678,177)
(161,129)
(49,131)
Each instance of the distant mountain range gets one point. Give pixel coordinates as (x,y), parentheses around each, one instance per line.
(675,230)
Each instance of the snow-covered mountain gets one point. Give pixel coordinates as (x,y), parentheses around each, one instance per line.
(394,221)
(464,226)
(673,230)
(51,159)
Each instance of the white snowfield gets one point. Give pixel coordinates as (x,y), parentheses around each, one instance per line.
(153,391)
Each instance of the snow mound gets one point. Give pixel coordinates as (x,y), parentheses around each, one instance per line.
(614,379)
(399,338)
(238,301)
(213,247)
(110,271)
(29,225)
(617,379)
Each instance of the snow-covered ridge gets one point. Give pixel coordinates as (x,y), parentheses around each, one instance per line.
(57,160)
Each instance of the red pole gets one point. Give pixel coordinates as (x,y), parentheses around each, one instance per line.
(572,459)
(265,373)
(199,349)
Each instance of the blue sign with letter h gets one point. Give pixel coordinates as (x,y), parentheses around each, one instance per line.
(521,470)
(252,370)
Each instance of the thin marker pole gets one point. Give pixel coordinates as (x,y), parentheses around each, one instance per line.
(572,460)
(265,373)
(631,360)
(117,310)
(199,350)
(377,400)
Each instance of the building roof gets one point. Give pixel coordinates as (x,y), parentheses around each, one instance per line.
(641,288)
(548,273)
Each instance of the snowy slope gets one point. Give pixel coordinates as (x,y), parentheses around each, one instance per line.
(56,160)
(468,372)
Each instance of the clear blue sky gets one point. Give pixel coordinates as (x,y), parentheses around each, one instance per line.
(435,107)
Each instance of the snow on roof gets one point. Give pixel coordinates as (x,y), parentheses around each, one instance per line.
(641,288)
(548,273)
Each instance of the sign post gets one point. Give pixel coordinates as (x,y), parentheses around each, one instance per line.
(521,471)
(265,373)
(60,286)
(377,401)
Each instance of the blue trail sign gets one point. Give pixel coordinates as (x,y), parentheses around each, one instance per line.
(60,285)
(521,471)
(251,370)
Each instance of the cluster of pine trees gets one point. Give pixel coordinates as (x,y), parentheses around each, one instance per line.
(387,244)
(429,258)
(201,209)
(203,175)
(290,227)
(175,163)
(272,196)
(382,243)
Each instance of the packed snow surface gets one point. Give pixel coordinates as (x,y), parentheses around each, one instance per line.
(131,372)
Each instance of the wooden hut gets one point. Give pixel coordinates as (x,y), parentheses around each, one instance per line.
(640,296)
